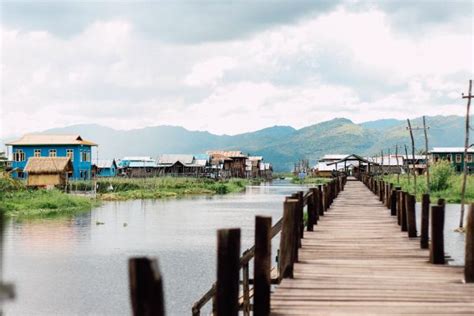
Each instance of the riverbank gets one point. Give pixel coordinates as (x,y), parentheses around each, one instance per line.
(16,200)
(444,183)
(120,189)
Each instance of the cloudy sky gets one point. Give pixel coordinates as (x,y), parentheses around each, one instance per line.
(230,66)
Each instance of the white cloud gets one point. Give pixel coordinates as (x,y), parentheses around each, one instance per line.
(343,63)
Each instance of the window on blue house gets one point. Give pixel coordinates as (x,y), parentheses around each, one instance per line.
(469,158)
(70,154)
(19,155)
(458,158)
(53,153)
(37,153)
(85,156)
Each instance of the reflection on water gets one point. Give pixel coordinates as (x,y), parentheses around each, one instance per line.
(78,266)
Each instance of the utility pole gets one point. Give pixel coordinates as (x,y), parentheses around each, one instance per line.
(407,166)
(412,154)
(425,130)
(466,147)
(398,164)
(381,162)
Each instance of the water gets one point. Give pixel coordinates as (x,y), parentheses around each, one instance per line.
(77,266)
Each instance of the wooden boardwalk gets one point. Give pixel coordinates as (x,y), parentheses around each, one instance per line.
(357,261)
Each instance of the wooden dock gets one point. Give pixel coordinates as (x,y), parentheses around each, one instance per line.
(358,261)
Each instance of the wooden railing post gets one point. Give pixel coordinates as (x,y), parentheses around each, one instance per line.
(437,235)
(393,201)
(315,205)
(425,221)
(325,198)
(228,272)
(288,239)
(262,266)
(246,289)
(300,216)
(381,186)
(403,215)
(320,200)
(411,215)
(146,287)
(312,212)
(469,254)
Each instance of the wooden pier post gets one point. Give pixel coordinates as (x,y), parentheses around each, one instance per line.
(320,200)
(262,265)
(300,216)
(228,272)
(393,201)
(146,287)
(311,213)
(469,254)
(437,235)
(288,239)
(425,221)
(399,207)
(403,215)
(411,215)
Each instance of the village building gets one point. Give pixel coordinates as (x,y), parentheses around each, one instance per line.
(105,168)
(43,145)
(229,163)
(253,166)
(455,155)
(48,172)
(138,167)
(181,165)
(323,167)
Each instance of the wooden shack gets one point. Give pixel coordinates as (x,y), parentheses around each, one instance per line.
(48,171)
(236,164)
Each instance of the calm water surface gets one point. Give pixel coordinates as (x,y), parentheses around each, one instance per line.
(73,266)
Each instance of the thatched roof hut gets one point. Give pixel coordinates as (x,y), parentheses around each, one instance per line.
(48,171)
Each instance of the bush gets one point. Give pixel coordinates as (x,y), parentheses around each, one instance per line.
(440,173)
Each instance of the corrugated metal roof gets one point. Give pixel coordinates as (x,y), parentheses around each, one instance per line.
(50,139)
(333,157)
(172,159)
(137,158)
(257,158)
(448,150)
(142,164)
(105,163)
(40,165)
(230,154)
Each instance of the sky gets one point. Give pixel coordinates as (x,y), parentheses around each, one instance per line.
(229,67)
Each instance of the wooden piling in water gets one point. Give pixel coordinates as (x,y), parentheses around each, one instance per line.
(437,235)
(288,241)
(228,272)
(399,207)
(411,215)
(425,221)
(262,266)
(146,287)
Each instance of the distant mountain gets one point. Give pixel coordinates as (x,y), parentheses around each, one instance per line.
(381,124)
(281,145)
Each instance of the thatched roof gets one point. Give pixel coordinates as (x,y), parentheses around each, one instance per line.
(45,139)
(48,165)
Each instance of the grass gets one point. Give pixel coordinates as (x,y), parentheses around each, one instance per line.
(118,189)
(451,193)
(16,200)
(309,180)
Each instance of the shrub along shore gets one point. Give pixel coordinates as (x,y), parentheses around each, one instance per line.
(444,183)
(16,200)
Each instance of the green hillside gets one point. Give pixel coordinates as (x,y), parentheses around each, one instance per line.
(281,145)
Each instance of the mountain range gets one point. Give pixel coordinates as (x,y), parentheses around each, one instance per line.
(280,145)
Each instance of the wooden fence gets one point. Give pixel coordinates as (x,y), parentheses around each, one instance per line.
(402,205)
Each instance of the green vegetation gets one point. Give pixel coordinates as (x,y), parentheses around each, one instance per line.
(154,188)
(309,180)
(19,201)
(444,183)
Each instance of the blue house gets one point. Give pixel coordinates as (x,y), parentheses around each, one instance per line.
(106,168)
(43,145)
